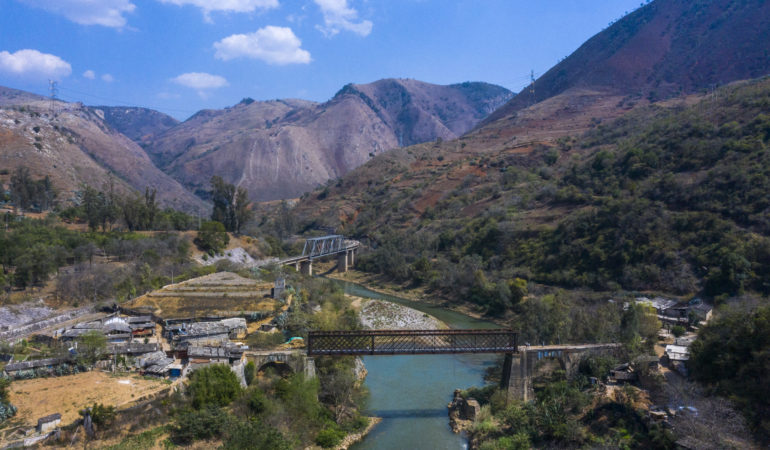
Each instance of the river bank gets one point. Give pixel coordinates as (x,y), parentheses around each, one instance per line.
(385,315)
(356,437)
(378,284)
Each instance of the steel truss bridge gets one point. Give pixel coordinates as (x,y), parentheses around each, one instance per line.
(410,342)
(323,246)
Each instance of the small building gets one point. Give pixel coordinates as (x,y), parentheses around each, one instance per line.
(651,362)
(35,364)
(175,370)
(236,326)
(279,287)
(700,311)
(117,332)
(677,353)
(623,372)
(659,303)
(48,423)
(226,354)
(132,348)
(155,363)
(268,327)
(684,341)
(204,332)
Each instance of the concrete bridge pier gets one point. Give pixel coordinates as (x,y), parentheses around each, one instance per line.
(342,262)
(519,369)
(517,377)
(306,267)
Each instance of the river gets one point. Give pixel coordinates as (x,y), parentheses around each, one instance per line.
(411,393)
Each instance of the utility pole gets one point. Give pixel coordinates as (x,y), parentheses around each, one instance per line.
(532,85)
(54,90)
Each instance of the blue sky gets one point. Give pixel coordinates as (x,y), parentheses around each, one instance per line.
(180,56)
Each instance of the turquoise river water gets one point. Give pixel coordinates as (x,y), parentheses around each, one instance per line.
(411,393)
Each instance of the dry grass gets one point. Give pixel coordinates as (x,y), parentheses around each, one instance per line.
(218,293)
(69,394)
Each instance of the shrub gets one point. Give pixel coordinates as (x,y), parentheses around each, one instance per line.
(212,237)
(678,330)
(192,425)
(249,372)
(213,385)
(330,437)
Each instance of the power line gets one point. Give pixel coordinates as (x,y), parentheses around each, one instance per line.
(125,103)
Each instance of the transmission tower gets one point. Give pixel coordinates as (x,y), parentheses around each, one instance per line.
(532,86)
(54,91)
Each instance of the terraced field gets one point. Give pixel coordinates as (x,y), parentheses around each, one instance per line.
(218,294)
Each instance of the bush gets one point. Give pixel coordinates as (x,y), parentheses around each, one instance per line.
(192,425)
(212,237)
(330,437)
(257,401)
(215,385)
(678,330)
(255,435)
(249,372)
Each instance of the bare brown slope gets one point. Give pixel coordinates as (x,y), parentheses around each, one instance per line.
(280,149)
(77,147)
(138,124)
(665,48)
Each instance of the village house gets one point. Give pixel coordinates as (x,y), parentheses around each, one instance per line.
(155,363)
(207,332)
(48,364)
(226,354)
(141,326)
(132,348)
(677,357)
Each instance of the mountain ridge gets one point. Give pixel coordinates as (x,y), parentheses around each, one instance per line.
(287,147)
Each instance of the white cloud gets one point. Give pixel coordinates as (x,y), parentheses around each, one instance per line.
(32,63)
(108,78)
(338,16)
(89,74)
(274,45)
(108,13)
(240,6)
(200,80)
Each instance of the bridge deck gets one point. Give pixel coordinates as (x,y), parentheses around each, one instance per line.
(410,342)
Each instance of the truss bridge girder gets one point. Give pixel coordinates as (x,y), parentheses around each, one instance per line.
(410,342)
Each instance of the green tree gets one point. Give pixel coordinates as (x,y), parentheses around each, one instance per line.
(231,204)
(249,372)
(91,346)
(732,356)
(34,265)
(215,385)
(212,237)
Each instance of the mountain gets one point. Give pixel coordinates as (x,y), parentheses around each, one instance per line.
(138,124)
(282,148)
(665,48)
(595,182)
(77,147)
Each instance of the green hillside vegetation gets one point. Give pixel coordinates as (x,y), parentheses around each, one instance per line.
(668,198)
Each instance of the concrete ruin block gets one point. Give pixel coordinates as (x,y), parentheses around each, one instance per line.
(471,409)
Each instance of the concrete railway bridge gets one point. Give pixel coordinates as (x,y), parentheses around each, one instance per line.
(322,247)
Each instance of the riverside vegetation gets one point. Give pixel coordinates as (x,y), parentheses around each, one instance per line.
(670,198)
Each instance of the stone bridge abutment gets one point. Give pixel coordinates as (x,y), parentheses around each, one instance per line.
(520,368)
